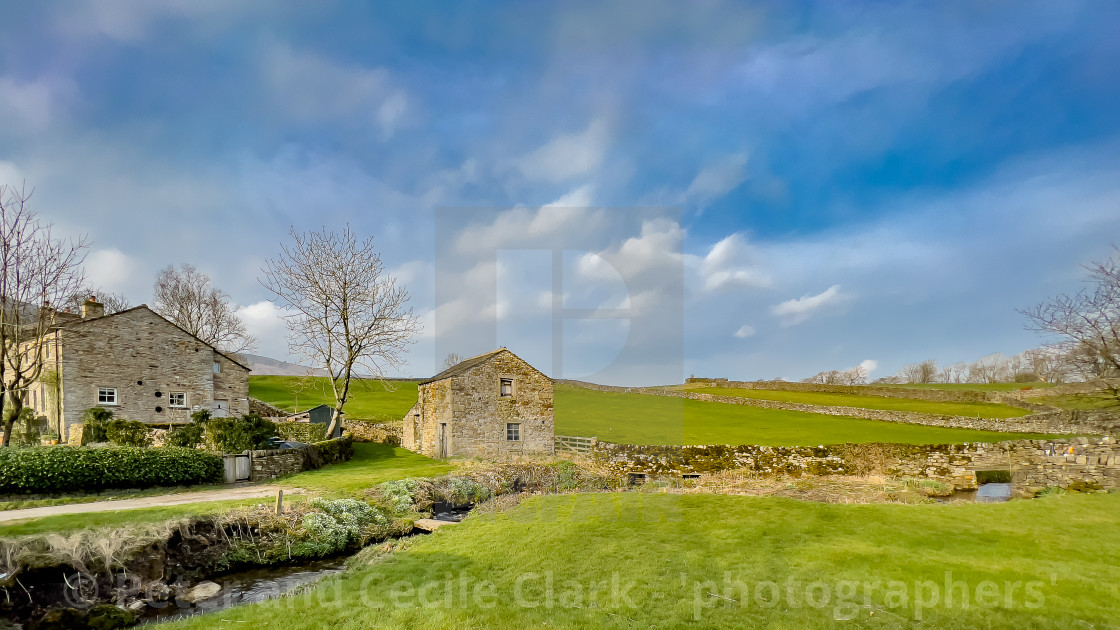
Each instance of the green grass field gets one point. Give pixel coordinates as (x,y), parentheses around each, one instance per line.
(1084,402)
(650,419)
(979,387)
(121,518)
(636,560)
(971,409)
(370,399)
(371,464)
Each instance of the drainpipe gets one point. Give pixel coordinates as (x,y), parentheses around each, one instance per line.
(62,438)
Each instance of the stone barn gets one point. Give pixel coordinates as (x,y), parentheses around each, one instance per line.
(495,406)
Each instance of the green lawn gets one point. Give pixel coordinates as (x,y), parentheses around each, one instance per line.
(635,560)
(650,419)
(92,520)
(972,409)
(371,464)
(370,399)
(1082,402)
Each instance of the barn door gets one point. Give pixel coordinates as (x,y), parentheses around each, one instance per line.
(442,440)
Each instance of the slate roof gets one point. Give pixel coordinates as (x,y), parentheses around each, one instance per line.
(464,366)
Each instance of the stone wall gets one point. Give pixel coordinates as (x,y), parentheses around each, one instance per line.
(380,432)
(145,358)
(1078,463)
(272,463)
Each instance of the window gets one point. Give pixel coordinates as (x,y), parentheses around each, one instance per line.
(177,399)
(106,395)
(513,432)
(217,368)
(507,387)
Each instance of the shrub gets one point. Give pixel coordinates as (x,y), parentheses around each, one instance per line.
(76,468)
(26,429)
(400,495)
(95,419)
(128,433)
(334,451)
(306,432)
(232,435)
(186,436)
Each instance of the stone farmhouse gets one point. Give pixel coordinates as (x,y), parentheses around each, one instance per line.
(495,406)
(136,363)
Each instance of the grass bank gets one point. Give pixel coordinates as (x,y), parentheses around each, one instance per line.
(370,399)
(651,419)
(122,518)
(970,409)
(370,465)
(573,561)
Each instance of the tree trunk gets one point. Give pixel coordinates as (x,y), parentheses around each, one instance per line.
(336,420)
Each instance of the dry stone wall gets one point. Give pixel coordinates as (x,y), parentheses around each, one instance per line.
(1078,463)
(380,432)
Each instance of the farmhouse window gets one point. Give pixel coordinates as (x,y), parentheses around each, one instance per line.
(177,399)
(513,432)
(507,387)
(217,368)
(106,395)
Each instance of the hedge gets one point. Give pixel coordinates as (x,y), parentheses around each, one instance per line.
(306,432)
(47,469)
(333,451)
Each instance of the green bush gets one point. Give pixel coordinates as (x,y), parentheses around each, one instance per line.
(306,432)
(334,451)
(186,436)
(128,432)
(234,435)
(44,469)
(95,420)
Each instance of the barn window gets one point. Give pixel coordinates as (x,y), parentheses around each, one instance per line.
(177,399)
(106,395)
(507,387)
(217,368)
(513,432)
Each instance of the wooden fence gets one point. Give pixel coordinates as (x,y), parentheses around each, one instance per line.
(574,444)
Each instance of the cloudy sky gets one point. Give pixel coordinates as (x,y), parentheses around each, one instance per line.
(627,192)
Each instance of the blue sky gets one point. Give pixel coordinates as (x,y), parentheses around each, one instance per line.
(769,189)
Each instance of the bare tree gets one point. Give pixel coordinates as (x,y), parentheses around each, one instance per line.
(345,310)
(452,360)
(185,296)
(113,302)
(1088,321)
(37,271)
(924,372)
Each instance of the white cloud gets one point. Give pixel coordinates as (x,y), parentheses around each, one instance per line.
(746,330)
(109,268)
(869,365)
(312,88)
(729,264)
(717,179)
(530,228)
(568,155)
(800,309)
(31,107)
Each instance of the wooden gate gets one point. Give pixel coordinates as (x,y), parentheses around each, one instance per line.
(237,467)
(574,444)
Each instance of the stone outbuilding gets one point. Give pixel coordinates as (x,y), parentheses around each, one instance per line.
(137,364)
(494,406)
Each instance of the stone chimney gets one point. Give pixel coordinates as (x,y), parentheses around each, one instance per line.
(92,308)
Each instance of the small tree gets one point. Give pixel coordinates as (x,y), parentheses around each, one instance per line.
(185,296)
(345,311)
(452,360)
(37,271)
(1088,322)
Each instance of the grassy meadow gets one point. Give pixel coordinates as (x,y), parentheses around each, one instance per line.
(370,465)
(972,409)
(637,560)
(370,399)
(979,387)
(650,419)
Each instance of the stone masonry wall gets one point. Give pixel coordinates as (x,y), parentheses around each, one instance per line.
(380,432)
(145,358)
(272,463)
(480,412)
(1080,463)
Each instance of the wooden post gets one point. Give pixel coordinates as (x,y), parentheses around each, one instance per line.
(279,501)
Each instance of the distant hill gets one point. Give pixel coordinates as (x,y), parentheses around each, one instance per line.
(264,366)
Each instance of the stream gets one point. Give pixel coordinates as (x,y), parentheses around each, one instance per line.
(263,583)
(986,493)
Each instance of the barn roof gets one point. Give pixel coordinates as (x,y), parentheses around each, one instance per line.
(464,366)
